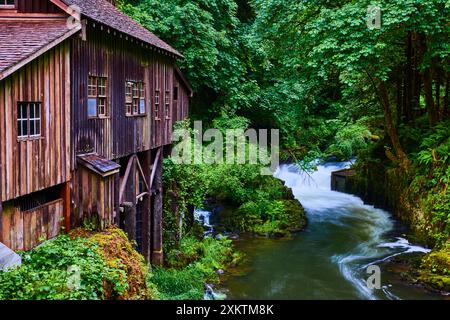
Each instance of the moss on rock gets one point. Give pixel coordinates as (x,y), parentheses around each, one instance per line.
(434,269)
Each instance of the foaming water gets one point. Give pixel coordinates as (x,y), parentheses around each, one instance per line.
(329,259)
(315,194)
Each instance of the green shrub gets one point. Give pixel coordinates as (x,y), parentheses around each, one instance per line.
(185,281)
(44,273)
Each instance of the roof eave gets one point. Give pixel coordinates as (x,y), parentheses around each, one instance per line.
(10,70)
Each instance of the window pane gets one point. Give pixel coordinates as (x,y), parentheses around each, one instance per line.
(92,86)
(38,127)
(38,110)
(142,106)
(32,110)
(19,128)
(32,128)
(167,97)
(102,106)
(135,106)
(92,107)
(24,128)
(142,89)
(175,93)
(22,111)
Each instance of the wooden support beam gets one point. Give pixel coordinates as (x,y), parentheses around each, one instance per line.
(144,178)
(130,192)
(1,221)
(66,196)
(125,178)
(147,210)
(157,250)
(116,198)
(155,167)
(130,219)
(1,207)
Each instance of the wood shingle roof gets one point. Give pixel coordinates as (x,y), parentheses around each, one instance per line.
(21,41)
(104,12)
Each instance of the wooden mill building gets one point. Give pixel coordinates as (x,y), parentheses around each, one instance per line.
(88,99)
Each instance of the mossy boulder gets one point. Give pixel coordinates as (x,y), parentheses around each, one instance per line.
(434,270)
(119,254)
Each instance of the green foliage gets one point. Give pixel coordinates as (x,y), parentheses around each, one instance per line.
(349,140)
(435,269)
(185,281)
(44,273)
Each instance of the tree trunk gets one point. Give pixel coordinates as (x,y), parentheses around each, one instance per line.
(427,76)
(400,107)
(446,106)
(408,81)
(429,100)
(417,56)
(400,155)
(438,93)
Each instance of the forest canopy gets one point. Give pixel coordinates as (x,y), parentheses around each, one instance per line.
(311,68)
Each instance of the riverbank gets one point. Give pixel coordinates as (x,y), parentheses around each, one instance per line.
(407,195)
(328,260)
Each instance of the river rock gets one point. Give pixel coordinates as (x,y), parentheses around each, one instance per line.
(220,272)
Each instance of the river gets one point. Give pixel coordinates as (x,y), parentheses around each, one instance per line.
(329,259)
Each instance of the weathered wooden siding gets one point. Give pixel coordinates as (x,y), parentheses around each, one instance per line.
(181,105)
(35,164)
(36,6)
(93,198)
(117,59)
(120,59)
(24,230)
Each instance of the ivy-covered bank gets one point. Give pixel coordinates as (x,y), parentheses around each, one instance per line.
(419,195)
(88,265)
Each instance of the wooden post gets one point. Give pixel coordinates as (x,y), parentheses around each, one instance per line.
(157,251)
(146,215)
(116,198)
(1,207)
(65,194)
(130,213)
(130,219)
(1,220)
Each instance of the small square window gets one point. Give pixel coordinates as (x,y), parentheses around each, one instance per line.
(29,120)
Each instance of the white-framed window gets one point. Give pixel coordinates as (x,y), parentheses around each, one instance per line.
(135,98)
(157,102)
(167,105)
(29,115)
(97,97)
(7,4)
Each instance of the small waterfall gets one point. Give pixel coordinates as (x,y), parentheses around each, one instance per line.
(204,218)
